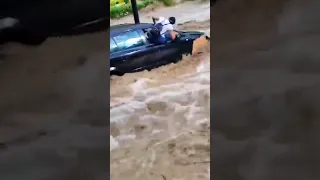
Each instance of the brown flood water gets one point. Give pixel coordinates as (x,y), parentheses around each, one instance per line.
(266,79)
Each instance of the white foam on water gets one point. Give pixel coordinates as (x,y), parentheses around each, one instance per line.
(113,143)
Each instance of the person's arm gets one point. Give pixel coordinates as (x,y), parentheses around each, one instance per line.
(171,31)
(155,19)
(172,34)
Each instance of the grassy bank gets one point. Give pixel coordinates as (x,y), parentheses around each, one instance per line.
(124,10)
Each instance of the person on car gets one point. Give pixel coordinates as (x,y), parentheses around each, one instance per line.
(155,37)
(163,29)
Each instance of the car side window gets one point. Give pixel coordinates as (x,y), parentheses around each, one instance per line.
(129,40)
(113,46)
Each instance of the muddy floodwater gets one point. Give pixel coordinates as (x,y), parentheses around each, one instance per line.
(54,121)
(265,74)
(161,118)
(163,122)
(52,125)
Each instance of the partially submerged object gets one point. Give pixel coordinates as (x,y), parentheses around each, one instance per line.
(132,50)
(200,45)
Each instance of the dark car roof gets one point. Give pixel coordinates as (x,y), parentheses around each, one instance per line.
(118,29)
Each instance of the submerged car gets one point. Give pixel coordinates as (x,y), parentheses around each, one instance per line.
(131,51)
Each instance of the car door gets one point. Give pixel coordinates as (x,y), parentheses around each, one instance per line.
(132,52)
(163,53)
(172,52)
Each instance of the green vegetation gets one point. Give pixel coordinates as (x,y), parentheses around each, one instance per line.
(124,10)
(168,2)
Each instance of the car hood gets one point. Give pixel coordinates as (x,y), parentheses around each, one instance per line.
(190,34)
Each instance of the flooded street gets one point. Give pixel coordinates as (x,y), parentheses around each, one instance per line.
(187,11)
(165,123)
(266,83)
(52,110)
(161,118)
(53,120)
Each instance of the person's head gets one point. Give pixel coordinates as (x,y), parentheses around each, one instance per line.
(172,20)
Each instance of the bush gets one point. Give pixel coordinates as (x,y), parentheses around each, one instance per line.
(123,10)
(168,2)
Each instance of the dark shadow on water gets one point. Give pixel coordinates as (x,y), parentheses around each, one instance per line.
(266,90)
(53,104)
